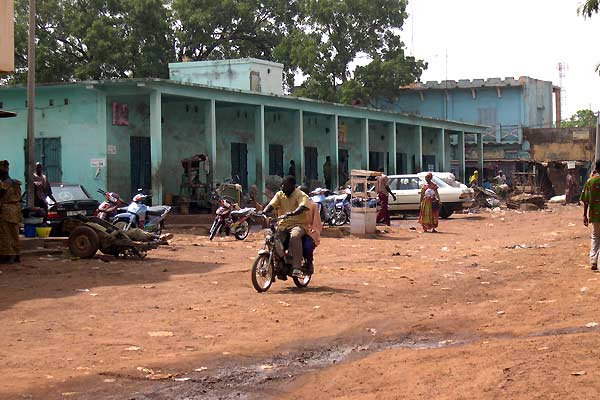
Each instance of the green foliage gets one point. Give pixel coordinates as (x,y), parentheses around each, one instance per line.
(588,8)
(95,39)
(334,33)
(581,119)
(319,39)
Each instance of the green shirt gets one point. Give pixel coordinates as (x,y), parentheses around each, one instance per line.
(591,196)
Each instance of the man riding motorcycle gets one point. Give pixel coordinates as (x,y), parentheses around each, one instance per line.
(291,205)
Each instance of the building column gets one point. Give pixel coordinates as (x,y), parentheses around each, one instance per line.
(299,144)
(364,132)
(442,162)
(392,167)
(210,132)
(480,156)
(335,154)
(419,148)
(259,143)
(156,146)
(461,157)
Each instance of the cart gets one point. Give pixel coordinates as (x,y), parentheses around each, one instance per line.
(90,234)
(363,216)
(193,187)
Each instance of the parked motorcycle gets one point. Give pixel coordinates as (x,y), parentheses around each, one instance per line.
(341,213)
(230,218)
(272,262)
(110,206)
(139,215)
(326,203)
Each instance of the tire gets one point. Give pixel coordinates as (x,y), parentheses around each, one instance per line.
(339,218)
(242,231)
(445,213)
(83,242)
(216,226)
(302,283)
(121,225)
(257,272)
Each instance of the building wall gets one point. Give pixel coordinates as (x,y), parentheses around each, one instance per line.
(561,144)
(233,74)
(80,124)
(507,108)
(538,104)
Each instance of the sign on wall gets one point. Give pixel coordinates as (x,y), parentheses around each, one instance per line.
(98,162)
(7,37)
(111,149)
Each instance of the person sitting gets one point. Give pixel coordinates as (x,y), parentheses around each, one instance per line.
(291,205)
(315,226)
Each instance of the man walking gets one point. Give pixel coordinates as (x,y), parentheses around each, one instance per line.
(590,196)
(383,189)
(10,216)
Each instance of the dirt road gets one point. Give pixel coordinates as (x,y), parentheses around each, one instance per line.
(497,305)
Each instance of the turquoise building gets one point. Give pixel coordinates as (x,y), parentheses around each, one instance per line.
(506,106)
(121,135)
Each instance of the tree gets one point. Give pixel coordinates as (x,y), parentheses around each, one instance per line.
(214,30)
(95,39)
(331,35)
(581,119)
(317,39)
(589,8)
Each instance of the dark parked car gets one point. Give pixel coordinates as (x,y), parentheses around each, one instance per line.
(71,200)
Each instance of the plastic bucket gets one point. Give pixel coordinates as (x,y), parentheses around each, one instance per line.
(29,230)
(42,231)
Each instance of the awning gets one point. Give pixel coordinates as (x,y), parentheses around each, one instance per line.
(7,114)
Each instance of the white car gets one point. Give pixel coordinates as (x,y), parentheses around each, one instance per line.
(407,188)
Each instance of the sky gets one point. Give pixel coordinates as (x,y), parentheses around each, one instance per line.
(508,38)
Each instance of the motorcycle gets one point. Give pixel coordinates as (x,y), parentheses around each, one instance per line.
(230,218)
(109,207)
(326,203)
(139,215)
(273,262)
(341,213)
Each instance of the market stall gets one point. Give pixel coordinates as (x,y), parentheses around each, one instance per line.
(364,201)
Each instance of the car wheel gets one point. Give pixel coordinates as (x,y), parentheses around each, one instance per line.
(445,212)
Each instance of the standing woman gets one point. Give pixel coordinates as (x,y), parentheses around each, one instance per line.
(429,206)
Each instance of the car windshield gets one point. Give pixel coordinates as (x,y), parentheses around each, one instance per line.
(413,183)
(68,193)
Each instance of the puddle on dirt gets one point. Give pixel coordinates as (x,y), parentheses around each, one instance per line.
(243,381)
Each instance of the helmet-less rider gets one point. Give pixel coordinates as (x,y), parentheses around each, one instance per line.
(291,205)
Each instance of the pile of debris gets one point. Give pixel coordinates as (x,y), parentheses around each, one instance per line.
(526,202)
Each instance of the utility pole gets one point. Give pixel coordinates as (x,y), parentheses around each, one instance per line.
(29,162)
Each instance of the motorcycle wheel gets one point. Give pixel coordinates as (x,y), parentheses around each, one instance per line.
(302,282)
(262,273)
(121,225)
(242,231)
(339,218)
(216,226)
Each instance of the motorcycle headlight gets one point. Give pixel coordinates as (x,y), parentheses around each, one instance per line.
(267,233)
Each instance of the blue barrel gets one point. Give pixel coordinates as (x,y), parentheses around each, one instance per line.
(29,230)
